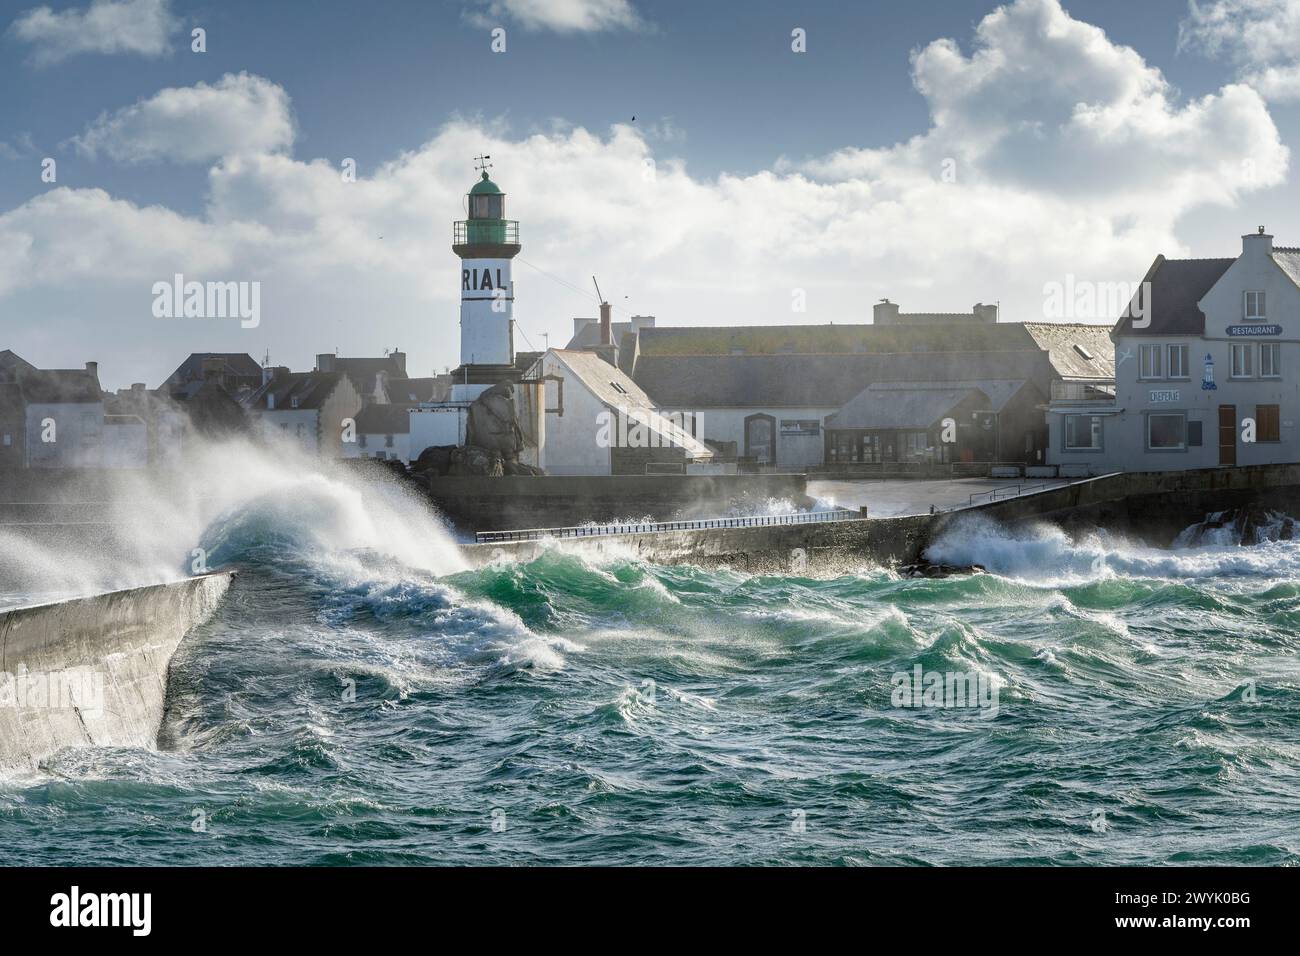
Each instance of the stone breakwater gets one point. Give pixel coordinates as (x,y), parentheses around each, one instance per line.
(93,670)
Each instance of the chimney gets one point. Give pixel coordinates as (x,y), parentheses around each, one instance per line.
(93,369)
(985,314)
(606,327)
(325,362)
(137,388)
(640,322)
(1259,243)
(268,373)
(399,359)
(270,401)
(885,312)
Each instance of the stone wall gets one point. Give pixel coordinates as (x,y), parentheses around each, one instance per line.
(93,670)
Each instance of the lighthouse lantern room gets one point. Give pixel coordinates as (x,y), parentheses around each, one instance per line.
(486,243)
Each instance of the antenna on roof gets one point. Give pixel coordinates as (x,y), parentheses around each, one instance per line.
(481,164)
(597,285)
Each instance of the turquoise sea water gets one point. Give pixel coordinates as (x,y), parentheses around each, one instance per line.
(347,706)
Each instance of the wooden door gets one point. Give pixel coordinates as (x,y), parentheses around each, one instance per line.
(1227,434)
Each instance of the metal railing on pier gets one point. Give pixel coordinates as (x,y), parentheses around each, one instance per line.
(644,527)
(1014,491)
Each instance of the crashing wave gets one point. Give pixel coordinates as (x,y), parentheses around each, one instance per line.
(1237,526)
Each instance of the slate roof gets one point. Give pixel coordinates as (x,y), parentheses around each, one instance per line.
(611,386)
(821,381)
(920,405)
(891,406)
(417,389)
(590,334)
(363,371)
(831,339)
(1288,258)
(1062,341)
(375,419)
(310,388)
(13,364)
(1177,285)
(60,385)
(236,363)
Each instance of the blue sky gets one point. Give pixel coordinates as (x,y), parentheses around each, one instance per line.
(1085,141)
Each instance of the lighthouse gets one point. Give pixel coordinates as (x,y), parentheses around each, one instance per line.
(486,243)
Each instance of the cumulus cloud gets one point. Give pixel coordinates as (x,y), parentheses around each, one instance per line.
(143,27)
(1051,151)
(1260,38)
(561,16)
(238,114)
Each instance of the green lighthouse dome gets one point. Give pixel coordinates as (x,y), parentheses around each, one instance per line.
(486,232)
(485,187)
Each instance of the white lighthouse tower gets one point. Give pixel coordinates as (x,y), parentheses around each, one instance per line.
(486,243)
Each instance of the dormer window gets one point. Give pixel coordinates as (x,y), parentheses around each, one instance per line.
(1254,305)
(293,402)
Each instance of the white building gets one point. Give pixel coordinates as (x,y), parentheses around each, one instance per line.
(383,432)
(311,408)
(1205,370)
(64,417)
(599,422)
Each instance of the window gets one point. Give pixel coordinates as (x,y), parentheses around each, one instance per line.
(1194,434)
(1243,361)
(361,440)
(9,439)
(843,446)
(1268,423)
(388,441)
(914,445)
(1149,356)
(1254,305)
(1178,361)
(486,207)
(1083,433)
(1270,360)
(1167,432)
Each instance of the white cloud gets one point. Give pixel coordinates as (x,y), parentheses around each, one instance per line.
(1071,155)
(144,27)
(1260,38)
(238,114)
(561,16)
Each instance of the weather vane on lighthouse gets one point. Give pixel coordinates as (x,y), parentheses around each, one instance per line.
(481,163)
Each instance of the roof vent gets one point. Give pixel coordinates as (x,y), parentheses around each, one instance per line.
(1084,352)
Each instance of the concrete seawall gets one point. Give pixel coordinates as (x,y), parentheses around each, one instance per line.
(93,670)
(830,547)
(1151,506)
(497,504)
